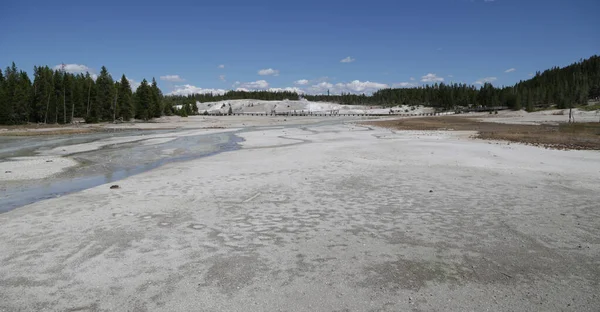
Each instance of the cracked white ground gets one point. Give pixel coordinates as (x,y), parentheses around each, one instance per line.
(323,218)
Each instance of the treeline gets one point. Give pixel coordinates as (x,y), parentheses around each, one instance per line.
(231,95)
(55,96)
(564,87)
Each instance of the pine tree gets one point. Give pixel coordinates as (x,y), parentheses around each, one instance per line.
(16,96)
(43,87)
(143,96)
(156,106)
(125,100)
(104,97)
(22,99)
(90,110)
(10,84)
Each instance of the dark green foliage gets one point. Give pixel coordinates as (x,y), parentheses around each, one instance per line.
(103,106)
(143,98)
(156,100)
(16,96)
(125,105)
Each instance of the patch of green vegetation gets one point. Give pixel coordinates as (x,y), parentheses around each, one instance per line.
(590,108)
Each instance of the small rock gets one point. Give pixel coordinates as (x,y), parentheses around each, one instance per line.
(112,187)
(49,160)
(8,171)
(430,191)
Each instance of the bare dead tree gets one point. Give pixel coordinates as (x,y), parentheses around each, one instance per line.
(115,105)
(87,114)
(47,106)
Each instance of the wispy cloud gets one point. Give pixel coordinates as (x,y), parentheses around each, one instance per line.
(268,72)
(253,85)
(172,78)
(510,70)
(404,85)
(431,78)
(73,68)
(355,87)
(287,89)
(486,79)
(133,84)
(301,82)
(190,89)
(412,78)
(222,66)
(347,60)
(222,77)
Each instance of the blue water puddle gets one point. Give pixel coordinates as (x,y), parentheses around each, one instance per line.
(112,163)
(129,159)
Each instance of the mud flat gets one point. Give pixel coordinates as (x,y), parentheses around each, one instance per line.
(320,218)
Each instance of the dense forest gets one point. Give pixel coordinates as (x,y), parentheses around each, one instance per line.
(564,87)
(56,96)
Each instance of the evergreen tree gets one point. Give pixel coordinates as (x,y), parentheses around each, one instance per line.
(143,96)
(16,96)
(91,113)
(43,87)
(156,105)
(105,92)
(3,107)
(125,100)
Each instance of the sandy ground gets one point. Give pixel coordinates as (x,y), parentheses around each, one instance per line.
(322,218)
(29,168)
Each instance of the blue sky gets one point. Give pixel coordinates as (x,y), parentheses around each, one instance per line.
(344,46)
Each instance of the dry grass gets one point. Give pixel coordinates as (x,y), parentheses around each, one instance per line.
(580,136)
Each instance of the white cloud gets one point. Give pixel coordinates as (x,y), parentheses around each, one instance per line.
(355,87)
(133,84)
(412,78)
(189,89)
(222,66)
(431,78)
(94,77)
(254,85)
(450,76)
(301,82)
(222,77)
(73,68)
(347,60)
(510,70)
(530,74)
(172,78)
(268,72)
(486,79)
(404,85)
(288,89)
(320,88)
